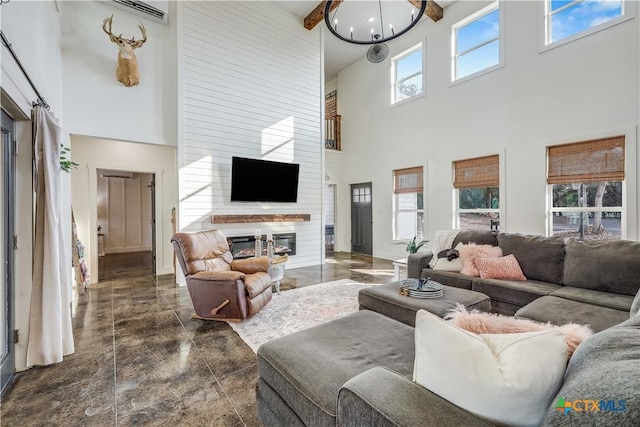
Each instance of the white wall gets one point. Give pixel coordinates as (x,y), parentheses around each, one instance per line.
(96,153)
(124,211)
(97,106)
(333,176)
(95,102)
(584,89)
(329,205)
(332,84)
(254,92)
(33,29)
(333,165)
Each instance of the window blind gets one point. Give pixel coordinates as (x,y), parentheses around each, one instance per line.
(408,180)
(477,173)
(589,161)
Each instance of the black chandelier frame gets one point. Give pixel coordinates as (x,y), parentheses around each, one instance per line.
(377,38)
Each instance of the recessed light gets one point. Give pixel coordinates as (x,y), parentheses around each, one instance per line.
(371,19)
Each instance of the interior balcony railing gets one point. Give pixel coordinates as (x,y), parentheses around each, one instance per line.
(332,133)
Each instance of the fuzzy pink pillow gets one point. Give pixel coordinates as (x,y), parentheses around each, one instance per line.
(480,322)
(505,268)
(471,251)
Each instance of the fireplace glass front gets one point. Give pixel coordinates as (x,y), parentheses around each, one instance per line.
(243,246)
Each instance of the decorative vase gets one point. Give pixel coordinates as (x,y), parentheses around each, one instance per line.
(258,245)
(270,248)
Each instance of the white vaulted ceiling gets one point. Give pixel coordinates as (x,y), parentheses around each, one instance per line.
(337,54)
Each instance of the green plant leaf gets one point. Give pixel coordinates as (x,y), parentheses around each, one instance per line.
(411,246)
(65,164)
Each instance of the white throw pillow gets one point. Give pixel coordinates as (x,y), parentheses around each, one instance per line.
(503,378)
(635,306)
(444,264)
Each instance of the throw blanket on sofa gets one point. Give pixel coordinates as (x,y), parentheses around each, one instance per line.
(442,240)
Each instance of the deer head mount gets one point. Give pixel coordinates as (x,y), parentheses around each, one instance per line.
(127,71)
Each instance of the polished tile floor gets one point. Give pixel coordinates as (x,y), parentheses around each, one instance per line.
(141,360)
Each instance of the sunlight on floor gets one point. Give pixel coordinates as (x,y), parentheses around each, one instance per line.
(373,271)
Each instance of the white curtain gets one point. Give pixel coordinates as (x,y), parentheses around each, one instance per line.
(50,331)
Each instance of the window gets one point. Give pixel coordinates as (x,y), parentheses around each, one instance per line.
(564,19)
(362,195)
(408,204)
(475,43)
(585,189)
(406,75)
(477,192)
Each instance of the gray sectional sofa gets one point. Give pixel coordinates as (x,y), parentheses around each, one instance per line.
(568,280)
(357,370)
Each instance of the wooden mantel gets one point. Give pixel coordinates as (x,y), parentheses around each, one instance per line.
(241,219)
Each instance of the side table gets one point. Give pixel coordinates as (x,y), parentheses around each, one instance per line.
(402,262)
(276,270)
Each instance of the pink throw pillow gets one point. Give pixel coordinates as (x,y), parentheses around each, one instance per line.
(506,268)
(480,322)
(471,251)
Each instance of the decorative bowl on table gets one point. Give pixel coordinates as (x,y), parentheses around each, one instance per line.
(420,288)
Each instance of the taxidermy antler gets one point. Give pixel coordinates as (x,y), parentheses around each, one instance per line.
(127,71)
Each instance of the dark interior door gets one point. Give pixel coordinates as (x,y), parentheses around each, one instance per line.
(7,215)
(361,218)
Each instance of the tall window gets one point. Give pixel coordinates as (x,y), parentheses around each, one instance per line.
(407,75)
(408,203)
(565,19)
(585,189)
(476,43)
(477,185)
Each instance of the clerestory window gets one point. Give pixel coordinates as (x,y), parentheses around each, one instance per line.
(475,44)
(407,75)
(567,20)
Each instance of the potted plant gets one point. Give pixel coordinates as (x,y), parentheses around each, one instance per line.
(411,246)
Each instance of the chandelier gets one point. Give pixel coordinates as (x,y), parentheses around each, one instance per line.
(371,22)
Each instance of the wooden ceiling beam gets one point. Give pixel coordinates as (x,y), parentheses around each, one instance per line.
(433,10)
(316,16)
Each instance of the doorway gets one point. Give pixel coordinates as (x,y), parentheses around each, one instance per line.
(361,218)
(7,218)
(329,218)
(126,224)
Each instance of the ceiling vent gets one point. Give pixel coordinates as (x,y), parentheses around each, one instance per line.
(155,10)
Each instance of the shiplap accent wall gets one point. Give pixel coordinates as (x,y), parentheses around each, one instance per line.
(250,87)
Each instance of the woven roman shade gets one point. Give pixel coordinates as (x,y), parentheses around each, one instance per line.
(589,161)
(477,173)
(407,180)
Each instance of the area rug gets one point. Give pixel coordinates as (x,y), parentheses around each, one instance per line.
(299,309)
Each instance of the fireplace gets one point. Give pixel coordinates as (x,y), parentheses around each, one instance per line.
(243,246)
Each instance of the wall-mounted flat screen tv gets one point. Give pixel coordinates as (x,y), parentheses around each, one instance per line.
(254,180)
